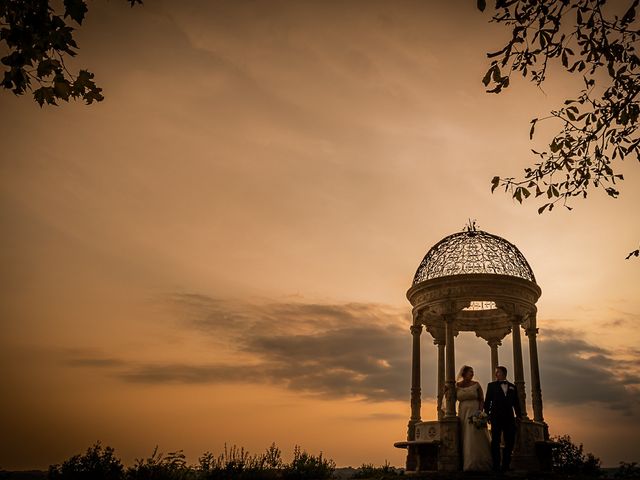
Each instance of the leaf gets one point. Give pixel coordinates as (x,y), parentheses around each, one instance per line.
(45,95)
(496,74)
(518,194)
(47,66)
(62,89)
(482,4)
(495,181)
(635,253)
(631,13)
(533,126)
(612,192)
(487,76)
(76,9)
(543,207)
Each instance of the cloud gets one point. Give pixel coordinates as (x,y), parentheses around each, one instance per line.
(96,362)
(575,371)
(361,350)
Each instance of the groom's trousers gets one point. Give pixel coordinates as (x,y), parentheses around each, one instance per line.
(509,431)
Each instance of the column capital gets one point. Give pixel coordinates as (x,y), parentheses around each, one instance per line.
(415,329)
(494,342)
(531,332)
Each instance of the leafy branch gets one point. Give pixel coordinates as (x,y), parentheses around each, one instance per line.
(599,128)
(38,41)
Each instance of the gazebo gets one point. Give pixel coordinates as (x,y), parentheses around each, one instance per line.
(473,281)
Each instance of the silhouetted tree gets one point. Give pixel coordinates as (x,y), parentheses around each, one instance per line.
(97,463)
(569,458)
(628,470)
(39,41)
(597,40)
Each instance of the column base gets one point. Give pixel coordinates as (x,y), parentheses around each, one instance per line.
(436,447)
(449,454)
(532,450)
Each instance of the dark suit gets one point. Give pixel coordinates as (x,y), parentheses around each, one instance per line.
(501,408)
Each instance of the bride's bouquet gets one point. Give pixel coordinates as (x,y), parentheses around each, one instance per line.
(479,419)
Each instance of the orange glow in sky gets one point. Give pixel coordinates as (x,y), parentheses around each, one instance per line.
(219,251)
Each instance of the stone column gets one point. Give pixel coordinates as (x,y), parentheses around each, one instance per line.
(441,347)
(450,368)
(536,391)
(517,363)
(494,343)
(416,330)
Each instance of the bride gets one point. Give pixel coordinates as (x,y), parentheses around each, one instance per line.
(476,443)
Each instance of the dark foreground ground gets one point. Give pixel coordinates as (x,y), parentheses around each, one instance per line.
(348,472)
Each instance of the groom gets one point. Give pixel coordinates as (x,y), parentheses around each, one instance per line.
(500,403)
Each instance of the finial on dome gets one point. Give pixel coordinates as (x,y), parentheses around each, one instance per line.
(470,226)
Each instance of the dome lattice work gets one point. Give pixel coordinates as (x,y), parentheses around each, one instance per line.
(473,251)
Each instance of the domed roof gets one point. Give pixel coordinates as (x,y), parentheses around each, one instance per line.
(473,251)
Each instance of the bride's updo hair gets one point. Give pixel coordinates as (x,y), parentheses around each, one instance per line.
(463,371)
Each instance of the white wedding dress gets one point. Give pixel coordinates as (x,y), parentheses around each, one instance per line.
(476,442)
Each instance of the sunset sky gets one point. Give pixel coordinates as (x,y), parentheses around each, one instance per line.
(220,251)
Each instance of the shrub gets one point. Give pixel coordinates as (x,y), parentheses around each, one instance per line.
(307,466)
(173,466)
(569,458)
(97,463)
(236,463)
(628,470)
(368,470)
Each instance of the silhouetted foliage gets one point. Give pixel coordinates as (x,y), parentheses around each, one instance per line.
(368,470)
(305,465)
(234,463)
(173,466)
(38,41)
(97,463)
(599,126)
(628,470)
(569,458)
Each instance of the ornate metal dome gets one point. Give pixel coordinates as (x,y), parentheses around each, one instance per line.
(473,251)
